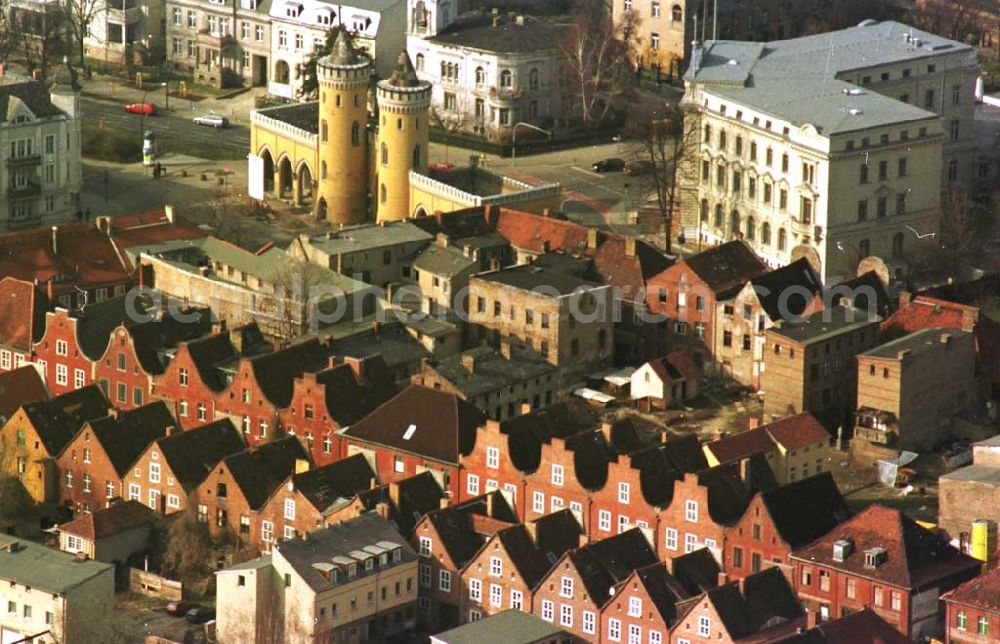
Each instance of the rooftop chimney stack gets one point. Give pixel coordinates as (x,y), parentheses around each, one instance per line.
(55,240)
(591,238)
(168,210)
(301,465)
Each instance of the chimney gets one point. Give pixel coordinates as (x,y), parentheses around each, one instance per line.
(168,210)
(106,225)
(169,430)
(219,326)
(505,347)
(630,246)
(340,263)
(372,483)
(444,502)
(904,299)
(591,238)
(383,510)
(236,339)
(55,240)
(606,430)
(489,503)
(438,216)
(520,21)
(51,289)
(469,362)
(441,240)
(203,271)
(13,546)
(394,493)
(497,21)
(357,365)
(532,528)
(36,74)
(754,422)
(301,465)
(902,355)
(946,339)
(525,408)
(81,556)
(723,578)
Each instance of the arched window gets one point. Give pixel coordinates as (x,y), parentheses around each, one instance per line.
(533,79)
(765,234)
(416,156)
(708,133)
(323,130)
(383,194)
(419,63)
(385,154)
(322,170)
(704,210)
(897,245)
(751,229)
(676,14)
(338,100)
(506,78)
(480,76)
(355,134)
(444,69)
(718,216)
(399,124)
(734,223)
(357,101)
(864,248)
(782,239)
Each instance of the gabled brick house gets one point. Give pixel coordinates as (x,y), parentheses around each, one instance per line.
(780,521)
(136,353)
(418,429)
(506,452)
(688,293)
(19,387)
(22,320)
(168,472)
(446,539)
(638,483)
(505,571)
(323,402)
(202,369)
(404,502)
(644,607)
(761,608)
(93,465)
(581,582)
(240,485)
(262,386)
(37,432)
(308,499)
(883,560)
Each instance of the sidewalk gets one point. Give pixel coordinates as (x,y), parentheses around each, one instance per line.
(118,90)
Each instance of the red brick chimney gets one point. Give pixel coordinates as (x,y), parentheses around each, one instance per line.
(904,299)
(394,493)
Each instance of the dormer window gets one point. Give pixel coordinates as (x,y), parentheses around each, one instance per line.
(249,5)
(293,9)
(352,570)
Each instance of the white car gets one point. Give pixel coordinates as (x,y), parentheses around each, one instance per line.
(212,120)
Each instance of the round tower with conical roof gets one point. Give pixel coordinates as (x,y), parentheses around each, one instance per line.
(344,77)
(403,104)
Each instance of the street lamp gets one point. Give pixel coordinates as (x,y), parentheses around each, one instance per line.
(513,143)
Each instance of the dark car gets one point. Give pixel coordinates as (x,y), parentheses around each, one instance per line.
(200,615)
(180,607)
(609,165)
(638,168)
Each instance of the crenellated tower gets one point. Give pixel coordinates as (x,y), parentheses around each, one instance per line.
(403,104)
(344,78)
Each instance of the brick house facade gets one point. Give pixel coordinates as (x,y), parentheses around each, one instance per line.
(237,488)
(581,582)
(167,474)
(972,615)
(810,365)
(63,360)
(93,465)
(492,465)
(883,560)
(644,607)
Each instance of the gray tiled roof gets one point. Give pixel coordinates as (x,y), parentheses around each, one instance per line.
(825,324)
(516,626)
(528,278)
(353,239)
(341,540)
(45,569)
(442,260)
(915,342)
(805,80)
(491,371)
(476,31)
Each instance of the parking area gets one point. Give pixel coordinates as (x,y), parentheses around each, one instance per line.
(139,617)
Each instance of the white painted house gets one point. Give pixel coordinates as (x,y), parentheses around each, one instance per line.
(667,381)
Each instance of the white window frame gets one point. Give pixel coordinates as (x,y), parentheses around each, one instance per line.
(691,511)
(62,374)
(538,502)
(517,600)
(426,543)
(566,587)
(589,622)
(496,595)
(704,626)
(154,472)
(173,501)
(79,378)
(558,474)
(444,581)
(566,615)
(492,458)
(624,492)
(472,484)
(289,509)
(690,542)
(548,610)
(134,492)
(496,567)
(635,606)
(475,589)
(614,630)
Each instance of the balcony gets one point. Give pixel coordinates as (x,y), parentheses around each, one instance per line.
(506,93)
(31,189)
(24,161)
(876,426)
(128,16)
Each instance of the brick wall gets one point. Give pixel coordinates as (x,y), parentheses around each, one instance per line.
(490,461)
(60,329)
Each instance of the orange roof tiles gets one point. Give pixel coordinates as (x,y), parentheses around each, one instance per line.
(22,313)
(928,312)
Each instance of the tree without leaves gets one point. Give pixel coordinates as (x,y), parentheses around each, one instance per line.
(79,14)
(595,68)
(661,139)
(451,122)
(41,33)
(188,556)
(959,232)
(291,305)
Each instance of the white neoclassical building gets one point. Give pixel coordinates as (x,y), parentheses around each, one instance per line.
(836,146)
(489,71)
(40,177)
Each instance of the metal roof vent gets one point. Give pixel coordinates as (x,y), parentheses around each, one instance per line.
(733,62)
(854,111)
(853,91)
(842,549)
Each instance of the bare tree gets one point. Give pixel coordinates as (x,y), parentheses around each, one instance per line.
(188,555)
(949,18)
(452,121)
(660,140)
(294,298)
(596,69)
(79,14)
(14,499)
(959,232)
(41,36)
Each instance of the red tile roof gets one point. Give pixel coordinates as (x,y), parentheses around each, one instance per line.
(797,431)
(914,556)
(151,227)
(108,522)
(675,366)
(76,253)
(863,627)
(19,387)
(982,592)
(737,447)
(925,312)
(22,313)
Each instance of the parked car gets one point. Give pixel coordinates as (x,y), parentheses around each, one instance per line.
(609,165)
(637,168)
(180,607)
(200,615)
(443,166)
(212,120)
(142,107)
